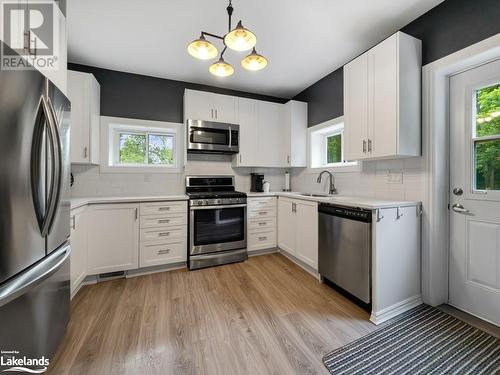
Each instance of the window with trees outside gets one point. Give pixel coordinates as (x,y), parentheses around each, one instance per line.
(140,145)
(326,146)
(486,138)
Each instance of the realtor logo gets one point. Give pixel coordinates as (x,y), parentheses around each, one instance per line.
(30,34)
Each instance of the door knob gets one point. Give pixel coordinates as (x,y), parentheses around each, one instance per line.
(458,191)
(459,208)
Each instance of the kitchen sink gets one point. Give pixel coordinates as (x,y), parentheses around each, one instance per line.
(316,195)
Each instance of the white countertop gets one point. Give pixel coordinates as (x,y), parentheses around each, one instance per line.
(79,202)
(350,201)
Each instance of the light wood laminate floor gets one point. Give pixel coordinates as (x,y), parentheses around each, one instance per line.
(263,316)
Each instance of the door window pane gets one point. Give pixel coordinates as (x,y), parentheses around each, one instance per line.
(334,149)
(487,164)
(488,111)
(132,148)
(160,149)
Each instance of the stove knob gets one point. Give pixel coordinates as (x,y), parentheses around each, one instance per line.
(199,203)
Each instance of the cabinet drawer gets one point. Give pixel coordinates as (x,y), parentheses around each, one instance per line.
(264,203)
(263,240)
(261,214)
(156,234)
(152,221)
(159,208)
(157,253)
(262,225)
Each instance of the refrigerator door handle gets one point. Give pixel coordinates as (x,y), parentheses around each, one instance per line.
(34,276)
(55,185)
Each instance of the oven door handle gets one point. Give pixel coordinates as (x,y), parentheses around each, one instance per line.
(195,208)
(230,137)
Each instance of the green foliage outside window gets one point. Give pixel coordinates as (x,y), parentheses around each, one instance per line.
(334,149)
(134,147)
(487,152)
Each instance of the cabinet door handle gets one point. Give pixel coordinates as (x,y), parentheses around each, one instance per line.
(74,222)
(163,208)
(162,221)
(240,158)
(163,251)
(288,159)
(85,152)
(164,234)
(262,223)
(364,146)
(262,238)
(136,213)
(263,213)
(216,115)
(212,113)
(369,145)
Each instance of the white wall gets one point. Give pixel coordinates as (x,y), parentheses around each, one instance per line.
(90,182)
(371,181)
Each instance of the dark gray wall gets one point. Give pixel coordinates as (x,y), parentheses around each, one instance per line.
(447,28)
(149,98)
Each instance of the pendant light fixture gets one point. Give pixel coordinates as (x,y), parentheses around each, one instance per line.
(238,39)
(221,68)
(254,61)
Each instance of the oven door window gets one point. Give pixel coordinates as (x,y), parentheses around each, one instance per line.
(209,136)
(219,225)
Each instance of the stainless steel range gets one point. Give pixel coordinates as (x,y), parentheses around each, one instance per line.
(217,221)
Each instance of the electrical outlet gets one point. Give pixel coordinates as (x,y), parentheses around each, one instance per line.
(394,177)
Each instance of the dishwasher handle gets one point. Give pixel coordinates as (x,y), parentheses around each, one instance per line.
(351,213)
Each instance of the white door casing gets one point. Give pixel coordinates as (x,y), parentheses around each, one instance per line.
(474,284)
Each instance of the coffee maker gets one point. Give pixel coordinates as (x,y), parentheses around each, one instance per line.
(257,182)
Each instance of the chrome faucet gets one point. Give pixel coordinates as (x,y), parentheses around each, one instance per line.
(332,189)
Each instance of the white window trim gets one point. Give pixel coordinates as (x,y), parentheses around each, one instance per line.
(109,127)
(326,129)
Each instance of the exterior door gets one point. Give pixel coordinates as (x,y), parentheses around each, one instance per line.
(475,191)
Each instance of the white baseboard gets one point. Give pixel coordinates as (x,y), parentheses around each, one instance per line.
(155,269)
(301,264)
(378,317)
(253,253)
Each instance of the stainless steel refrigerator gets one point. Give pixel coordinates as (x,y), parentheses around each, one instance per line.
(34,214)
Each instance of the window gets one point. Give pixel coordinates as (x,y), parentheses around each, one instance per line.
(486,138)
(326,146)
(140,145)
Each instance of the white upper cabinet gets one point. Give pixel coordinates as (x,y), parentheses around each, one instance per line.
(295,122)
(249,133)
(207,106)
(84,94)
(271,151)
(382,90)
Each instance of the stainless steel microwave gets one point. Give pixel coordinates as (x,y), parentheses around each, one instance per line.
(216,137)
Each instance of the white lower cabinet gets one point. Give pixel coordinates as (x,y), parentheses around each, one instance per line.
(113,238)
(298,229)
(78,239)
(261,223)
(163,238)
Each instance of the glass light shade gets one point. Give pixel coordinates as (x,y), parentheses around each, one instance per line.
(240,39)
(254,61)
(221,68)
(202,49)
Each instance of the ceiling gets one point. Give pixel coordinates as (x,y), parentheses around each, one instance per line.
(304,40)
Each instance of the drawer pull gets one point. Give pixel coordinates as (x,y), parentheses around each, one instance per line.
(263,213)
(164,234)
(262,223)
(164,251)
(163,208)
(163,221)
(263,238)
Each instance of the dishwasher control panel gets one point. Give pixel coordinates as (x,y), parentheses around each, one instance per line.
(346,212)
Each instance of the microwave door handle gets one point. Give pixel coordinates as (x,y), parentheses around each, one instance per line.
(230,137)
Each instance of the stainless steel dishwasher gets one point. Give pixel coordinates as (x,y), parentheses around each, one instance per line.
(345,248)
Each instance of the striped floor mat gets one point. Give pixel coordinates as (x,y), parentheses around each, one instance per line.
(425,340)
